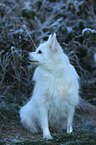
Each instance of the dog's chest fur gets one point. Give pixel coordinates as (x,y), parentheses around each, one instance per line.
(53,84)
(54,87)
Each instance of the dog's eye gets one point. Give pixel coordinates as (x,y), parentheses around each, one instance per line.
(39,52)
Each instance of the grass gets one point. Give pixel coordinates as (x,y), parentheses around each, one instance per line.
(24,25)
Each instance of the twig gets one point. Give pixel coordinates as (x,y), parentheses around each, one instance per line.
(24,26)
(72,40)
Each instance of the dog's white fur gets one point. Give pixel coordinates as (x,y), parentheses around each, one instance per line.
(55,94)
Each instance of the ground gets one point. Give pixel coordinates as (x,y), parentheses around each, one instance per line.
(84,130)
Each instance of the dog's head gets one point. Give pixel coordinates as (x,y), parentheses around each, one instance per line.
(48,54)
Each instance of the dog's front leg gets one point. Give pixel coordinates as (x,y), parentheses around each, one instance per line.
(44,122)
(70,119)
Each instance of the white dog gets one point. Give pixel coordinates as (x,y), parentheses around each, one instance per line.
(55,94)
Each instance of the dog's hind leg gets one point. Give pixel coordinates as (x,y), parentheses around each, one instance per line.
(28,118)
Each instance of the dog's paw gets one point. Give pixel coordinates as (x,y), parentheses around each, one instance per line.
(47,137)
(69,129)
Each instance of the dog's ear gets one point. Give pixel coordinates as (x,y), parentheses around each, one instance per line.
(52,42)
(50,36)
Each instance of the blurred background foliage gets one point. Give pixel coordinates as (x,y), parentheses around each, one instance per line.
(24,24)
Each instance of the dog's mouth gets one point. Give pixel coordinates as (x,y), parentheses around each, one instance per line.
(33,61)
